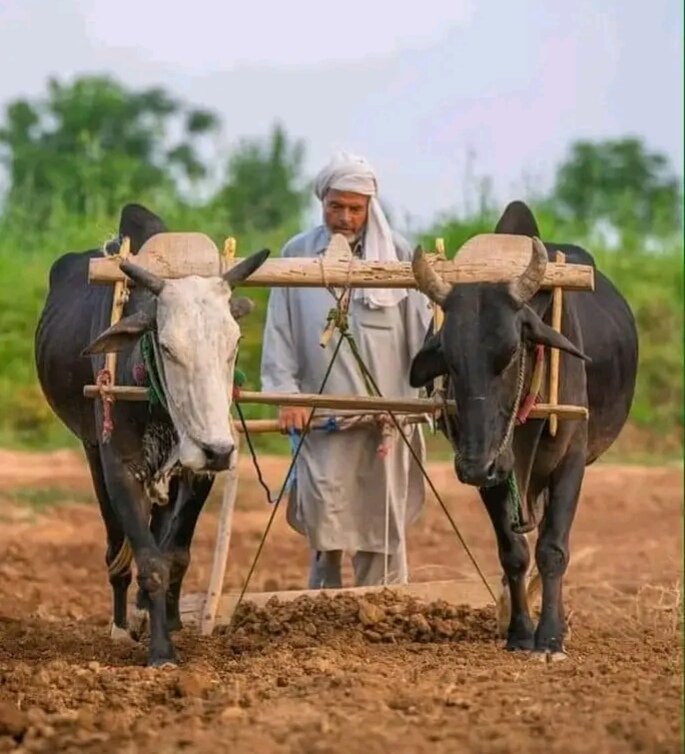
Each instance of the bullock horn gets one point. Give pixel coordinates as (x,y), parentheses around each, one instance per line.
(245,267)
(529,281)
(427,279)
(143,277)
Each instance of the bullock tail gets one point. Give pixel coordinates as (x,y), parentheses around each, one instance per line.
(122,562)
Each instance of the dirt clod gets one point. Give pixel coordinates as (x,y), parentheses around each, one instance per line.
(13,722)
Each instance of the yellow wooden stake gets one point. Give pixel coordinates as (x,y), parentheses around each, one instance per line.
(557,301)
(118,302)
(438,314)
(230,245)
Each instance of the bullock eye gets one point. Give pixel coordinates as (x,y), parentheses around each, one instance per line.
(167,351)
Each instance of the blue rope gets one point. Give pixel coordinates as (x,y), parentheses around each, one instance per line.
(331,425)
(294,441)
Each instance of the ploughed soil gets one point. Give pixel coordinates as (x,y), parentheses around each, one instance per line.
(378,674)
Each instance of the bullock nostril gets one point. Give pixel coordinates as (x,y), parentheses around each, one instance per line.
(477,475)
(491,473)
(218,457)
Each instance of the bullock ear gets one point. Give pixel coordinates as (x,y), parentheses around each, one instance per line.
(125,332)
(428,363)
(241,306)
(536,331)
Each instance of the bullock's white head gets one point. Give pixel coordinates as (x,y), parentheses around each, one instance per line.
(195,336)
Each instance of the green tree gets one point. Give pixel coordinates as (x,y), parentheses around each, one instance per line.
(621,182)
(91,145)
(264,189)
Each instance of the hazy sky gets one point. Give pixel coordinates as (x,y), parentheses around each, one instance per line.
(415,87)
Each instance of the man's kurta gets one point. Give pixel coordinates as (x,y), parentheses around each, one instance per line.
(343,484)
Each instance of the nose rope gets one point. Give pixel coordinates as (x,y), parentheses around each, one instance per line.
(512,417)
(517,402)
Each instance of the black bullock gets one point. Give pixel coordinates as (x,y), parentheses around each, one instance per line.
(486,349)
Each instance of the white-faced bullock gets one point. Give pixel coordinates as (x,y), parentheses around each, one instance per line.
(486,349)
(166,451)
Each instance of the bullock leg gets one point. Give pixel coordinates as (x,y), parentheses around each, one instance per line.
(178,534)
(552,553)
(515,558)
(160,517)
(129,501)
(121,579)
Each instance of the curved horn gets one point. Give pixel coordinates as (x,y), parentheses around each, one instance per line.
(529,281)
(427,279)
(143,277)
(245,267)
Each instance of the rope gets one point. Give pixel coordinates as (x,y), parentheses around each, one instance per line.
(425,475)
(156,389)
(277,502)
(122,562)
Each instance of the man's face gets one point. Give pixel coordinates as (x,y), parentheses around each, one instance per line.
(345,212)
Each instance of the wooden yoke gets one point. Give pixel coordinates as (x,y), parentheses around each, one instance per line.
(484,258)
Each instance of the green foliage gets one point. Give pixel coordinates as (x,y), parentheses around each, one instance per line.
(620,182)
(90,145)
(262,191)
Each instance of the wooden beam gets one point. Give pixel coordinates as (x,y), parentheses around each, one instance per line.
(221,549)
(345,402)
(265,426)
(456,592)
(305,272)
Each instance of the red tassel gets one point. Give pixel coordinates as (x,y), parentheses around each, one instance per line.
(103,381)
(528,403)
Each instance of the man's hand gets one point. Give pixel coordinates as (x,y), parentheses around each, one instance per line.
(292,417)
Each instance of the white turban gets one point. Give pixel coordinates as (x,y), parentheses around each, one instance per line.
(347,172)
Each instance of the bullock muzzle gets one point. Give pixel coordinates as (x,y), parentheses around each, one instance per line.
(218,457)
(204,457)
(479,473)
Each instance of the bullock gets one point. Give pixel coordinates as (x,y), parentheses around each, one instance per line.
(485,351)
(153,475)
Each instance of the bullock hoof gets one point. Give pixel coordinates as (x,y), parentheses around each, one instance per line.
(551,641)
(162,664)
(549,657)
(120,635)
(165,658)
(520,636)
(520,644)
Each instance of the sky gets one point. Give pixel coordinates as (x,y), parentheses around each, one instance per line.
(433,93)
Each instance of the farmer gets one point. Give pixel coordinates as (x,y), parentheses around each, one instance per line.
(344,488)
